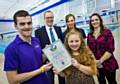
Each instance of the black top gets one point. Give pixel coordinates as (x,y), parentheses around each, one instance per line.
(42,35)
(78,29)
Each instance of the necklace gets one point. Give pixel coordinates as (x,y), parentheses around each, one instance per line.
(96,33)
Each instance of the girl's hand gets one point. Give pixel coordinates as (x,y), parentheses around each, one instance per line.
(55,71)
(75,63)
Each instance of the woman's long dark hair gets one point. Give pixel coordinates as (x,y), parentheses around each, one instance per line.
(101,24)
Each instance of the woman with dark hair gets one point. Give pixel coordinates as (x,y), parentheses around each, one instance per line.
(101,42)
(71,25)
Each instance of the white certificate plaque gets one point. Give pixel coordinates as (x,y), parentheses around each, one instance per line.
(58,55)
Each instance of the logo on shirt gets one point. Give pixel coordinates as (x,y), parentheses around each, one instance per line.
(37,46)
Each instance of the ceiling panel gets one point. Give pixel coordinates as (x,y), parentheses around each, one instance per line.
(9,7)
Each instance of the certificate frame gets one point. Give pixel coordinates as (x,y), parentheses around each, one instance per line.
(58,55)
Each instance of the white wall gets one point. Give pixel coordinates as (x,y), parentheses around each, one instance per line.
(74,6)
(6,27)
(59,13)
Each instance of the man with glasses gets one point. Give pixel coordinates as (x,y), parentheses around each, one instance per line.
(47,35)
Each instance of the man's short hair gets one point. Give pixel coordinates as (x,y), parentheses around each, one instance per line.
(48,11)
(20,13)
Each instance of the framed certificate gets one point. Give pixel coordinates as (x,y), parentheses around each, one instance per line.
(58,55)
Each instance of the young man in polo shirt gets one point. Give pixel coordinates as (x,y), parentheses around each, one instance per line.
(23,60)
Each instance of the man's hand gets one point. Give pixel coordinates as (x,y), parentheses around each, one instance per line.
(46,67)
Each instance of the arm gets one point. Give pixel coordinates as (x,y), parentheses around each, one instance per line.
(109,46)
(15,78)
(105,57)
(85,69)
(59,33)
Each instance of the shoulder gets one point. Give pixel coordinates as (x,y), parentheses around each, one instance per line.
(11,47)
(13,44)
(57,27)
(35,39)
(89,36)
(107,31)
(40,29)
(81,29)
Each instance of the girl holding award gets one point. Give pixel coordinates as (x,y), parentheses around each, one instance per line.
(83,62)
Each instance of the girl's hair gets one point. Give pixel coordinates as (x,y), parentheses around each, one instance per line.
(71,33)
(101,24)
(86,57)
(66,19)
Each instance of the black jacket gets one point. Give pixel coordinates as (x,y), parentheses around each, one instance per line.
(42,35)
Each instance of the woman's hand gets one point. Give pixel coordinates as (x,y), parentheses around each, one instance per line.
(99,64)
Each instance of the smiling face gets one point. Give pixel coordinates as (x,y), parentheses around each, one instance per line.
(95,21)
(49,18)
(70,22)
(74,42)
(24,26)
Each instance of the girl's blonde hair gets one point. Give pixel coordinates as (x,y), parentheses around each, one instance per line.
(85,57)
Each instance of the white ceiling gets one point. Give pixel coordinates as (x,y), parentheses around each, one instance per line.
(9,7)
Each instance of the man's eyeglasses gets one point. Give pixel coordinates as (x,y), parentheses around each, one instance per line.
(49,17)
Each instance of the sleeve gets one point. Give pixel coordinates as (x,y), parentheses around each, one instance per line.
(37,40)
(61,34)
(36,33)
(39,43)
(89,42)
(110,45)
(11,61)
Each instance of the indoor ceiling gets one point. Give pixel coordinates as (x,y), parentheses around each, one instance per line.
(9,7)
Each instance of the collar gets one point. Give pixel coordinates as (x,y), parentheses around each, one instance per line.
(47,27)
(19,40)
